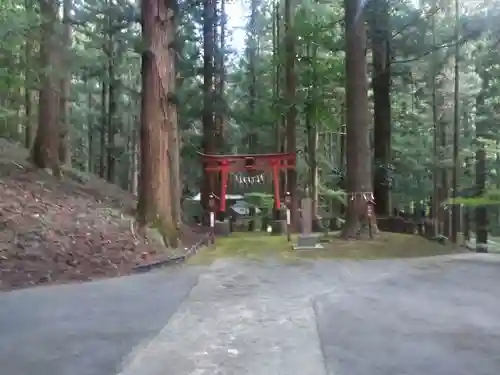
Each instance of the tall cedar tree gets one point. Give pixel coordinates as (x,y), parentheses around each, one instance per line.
(155,192)
(252,72)
(174,147)
(481,167)
(291,111)
(209,145)
(358,153)
(44,153)
(455,219)
(28,81)
(381,85)
(111,54)
(220,108)
(64,100)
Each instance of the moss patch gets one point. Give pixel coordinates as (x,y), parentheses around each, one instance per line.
(260,246)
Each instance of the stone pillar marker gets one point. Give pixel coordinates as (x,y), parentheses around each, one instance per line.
(307,240)
(306,207)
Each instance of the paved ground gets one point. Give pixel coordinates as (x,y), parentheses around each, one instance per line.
(86,329)
(444,320)
(437,316)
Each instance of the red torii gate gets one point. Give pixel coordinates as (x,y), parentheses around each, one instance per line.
(225,164)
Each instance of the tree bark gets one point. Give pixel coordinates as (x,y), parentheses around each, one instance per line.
(444,187)
(111,118)
(209,146)
(311,127)
(291,110)
(220,107)
(44,153)
(252,72)
(154,201)
(90,133)
(174,147)
(435,170)
(28,83)
(276,76)
(103,127)
(381,85)
(64,138)
(455,219)
(481,131)
(358,155)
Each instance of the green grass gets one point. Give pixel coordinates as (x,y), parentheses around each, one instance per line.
(261,246)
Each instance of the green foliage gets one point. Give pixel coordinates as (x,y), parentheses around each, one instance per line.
(261,200)
(334,195)
(488,198)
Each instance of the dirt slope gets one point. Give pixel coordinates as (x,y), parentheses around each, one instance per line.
(59,230)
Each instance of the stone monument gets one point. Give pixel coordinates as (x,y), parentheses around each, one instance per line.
(307,240)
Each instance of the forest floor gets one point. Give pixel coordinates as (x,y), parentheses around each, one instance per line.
(75,228)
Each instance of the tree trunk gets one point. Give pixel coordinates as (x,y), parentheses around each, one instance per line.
(103,127)
(44,153)
(28,83)
(358,155)
(435,171)
(154,201)
(220,107)
(174,147)
(466,224)
(276,77)
(64,145)
(455,221)
(291,110)
(444,186)
(312,132)
(280,129)
(112,108)
(252,72)
(312,146)
(209,146)
(135,169)
(381,85)
(481,131)
(90,133)
(481,212)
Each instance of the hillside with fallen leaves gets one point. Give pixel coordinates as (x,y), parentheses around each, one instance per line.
(75,228)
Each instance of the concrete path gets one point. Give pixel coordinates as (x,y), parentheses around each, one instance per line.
(443,320)
(437,316)
(86,329)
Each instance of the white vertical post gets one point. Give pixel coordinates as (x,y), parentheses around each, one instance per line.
(212,226)
(288,223)
(212,219)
